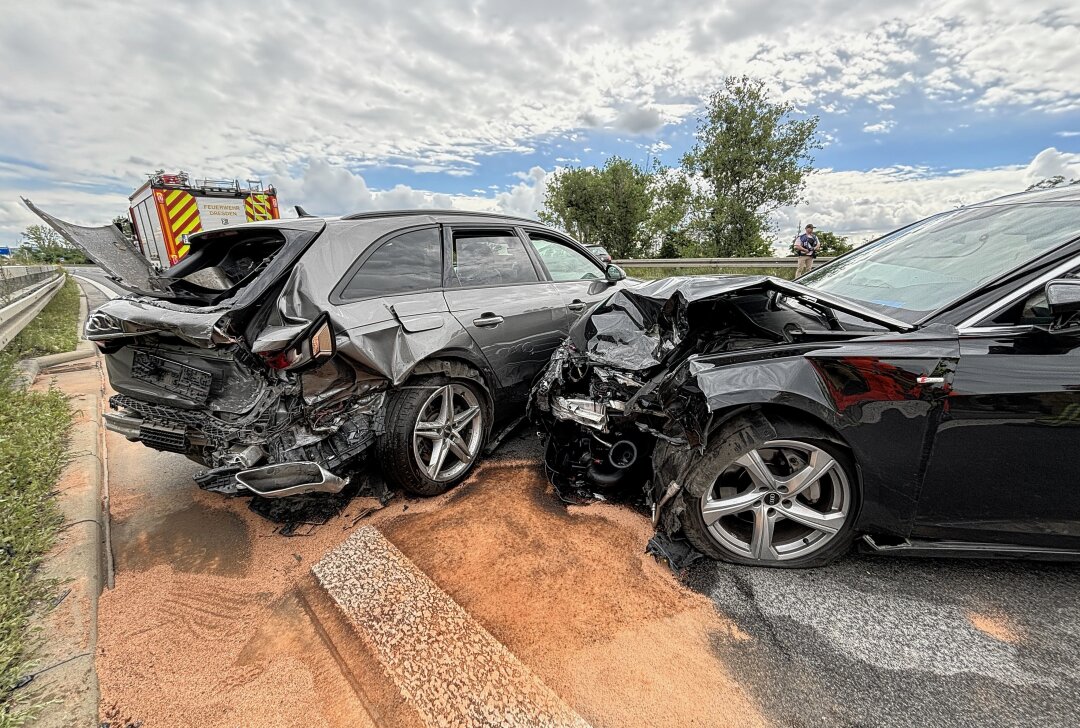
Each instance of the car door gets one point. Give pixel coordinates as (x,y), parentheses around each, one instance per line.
(580,280)
(392,293)
(500,296)
(1003,466)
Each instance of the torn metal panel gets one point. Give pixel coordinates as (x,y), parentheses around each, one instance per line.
(107,247)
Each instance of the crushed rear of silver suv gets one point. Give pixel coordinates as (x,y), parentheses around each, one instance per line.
(284,355)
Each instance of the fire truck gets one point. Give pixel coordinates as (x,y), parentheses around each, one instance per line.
(168,208)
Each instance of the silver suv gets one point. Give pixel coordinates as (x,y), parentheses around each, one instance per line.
(283,354)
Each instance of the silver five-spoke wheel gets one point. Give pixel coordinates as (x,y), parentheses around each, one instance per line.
(782,500)
(448,432)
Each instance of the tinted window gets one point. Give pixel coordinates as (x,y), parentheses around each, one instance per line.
(563,262)
(490,258)
(409,262)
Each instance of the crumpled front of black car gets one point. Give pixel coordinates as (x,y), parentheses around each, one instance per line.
(619,403)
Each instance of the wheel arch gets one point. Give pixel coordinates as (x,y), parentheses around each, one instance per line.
(459,364)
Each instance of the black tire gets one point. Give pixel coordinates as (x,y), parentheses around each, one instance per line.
(737,439)
(395,448)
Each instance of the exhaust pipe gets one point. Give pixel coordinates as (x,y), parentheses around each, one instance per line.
(285,479)
(123,424)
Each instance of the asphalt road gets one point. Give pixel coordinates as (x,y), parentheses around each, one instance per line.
(95,296)
(885,641)
(868,641)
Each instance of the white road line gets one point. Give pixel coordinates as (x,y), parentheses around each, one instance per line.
(109,293)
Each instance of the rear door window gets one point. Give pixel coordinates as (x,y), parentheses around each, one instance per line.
(489,258)
(409,262)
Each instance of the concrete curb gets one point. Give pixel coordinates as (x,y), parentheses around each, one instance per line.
(67,657)
(69,650)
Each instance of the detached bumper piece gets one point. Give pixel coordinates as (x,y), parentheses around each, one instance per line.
(157,436)
(285,479)
(160,437)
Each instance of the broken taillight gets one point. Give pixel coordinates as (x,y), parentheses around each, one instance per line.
(312,345)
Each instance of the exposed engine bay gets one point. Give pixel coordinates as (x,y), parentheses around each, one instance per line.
(632,396)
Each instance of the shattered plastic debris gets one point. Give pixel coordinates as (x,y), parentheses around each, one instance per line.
(675,551)
(315,509)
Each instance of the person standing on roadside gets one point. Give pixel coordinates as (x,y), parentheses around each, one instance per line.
(806,247)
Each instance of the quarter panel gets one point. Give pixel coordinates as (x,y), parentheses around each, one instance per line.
(870,395)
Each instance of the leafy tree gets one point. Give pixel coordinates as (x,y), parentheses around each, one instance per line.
(42,244)
(607,206)
(123,224)
(831,244)
(750,158)
(667,228)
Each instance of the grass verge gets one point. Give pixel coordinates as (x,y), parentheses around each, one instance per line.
(33,432)
(652,273)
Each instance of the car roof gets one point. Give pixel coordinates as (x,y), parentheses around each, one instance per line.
(439,215)
(1065,193)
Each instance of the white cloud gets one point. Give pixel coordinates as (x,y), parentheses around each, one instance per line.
(325,189)
(881,127)
(107,91)
(865,204)
(1068,134)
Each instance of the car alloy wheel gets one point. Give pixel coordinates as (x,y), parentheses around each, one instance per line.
(783,500)
(448,432)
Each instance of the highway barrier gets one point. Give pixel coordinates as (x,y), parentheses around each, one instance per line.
(24,291)
(788,262)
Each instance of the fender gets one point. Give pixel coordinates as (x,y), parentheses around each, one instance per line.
(876,406)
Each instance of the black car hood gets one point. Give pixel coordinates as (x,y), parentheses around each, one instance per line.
(636,327)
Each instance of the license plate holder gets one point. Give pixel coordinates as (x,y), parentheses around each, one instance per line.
(172,376)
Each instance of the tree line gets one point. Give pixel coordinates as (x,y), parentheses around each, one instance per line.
(43,245)
(751,156)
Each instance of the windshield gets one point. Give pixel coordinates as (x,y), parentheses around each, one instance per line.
(921,268)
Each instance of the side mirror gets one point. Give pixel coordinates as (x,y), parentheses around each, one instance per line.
(614,274)
(1063,297)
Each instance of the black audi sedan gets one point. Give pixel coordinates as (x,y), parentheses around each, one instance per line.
(287,355)
(920,393)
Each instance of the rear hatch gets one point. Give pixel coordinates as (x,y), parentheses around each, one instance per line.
(183,338)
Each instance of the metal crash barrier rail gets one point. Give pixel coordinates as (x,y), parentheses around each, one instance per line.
(788,262)
(24,291)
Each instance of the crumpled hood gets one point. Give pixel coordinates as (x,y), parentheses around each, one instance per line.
(637,327)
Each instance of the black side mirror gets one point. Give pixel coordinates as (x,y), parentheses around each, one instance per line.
(614,273)
(1063,297)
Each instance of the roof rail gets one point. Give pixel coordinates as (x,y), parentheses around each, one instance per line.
(373,214)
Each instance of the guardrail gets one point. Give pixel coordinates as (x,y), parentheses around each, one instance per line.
(24,291)
(788,262)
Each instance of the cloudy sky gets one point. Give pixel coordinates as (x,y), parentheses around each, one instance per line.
(474,104)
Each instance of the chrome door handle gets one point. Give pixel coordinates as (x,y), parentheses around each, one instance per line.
(576,305)
(487,319)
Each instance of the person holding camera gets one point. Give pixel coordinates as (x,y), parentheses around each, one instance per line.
(806,247)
